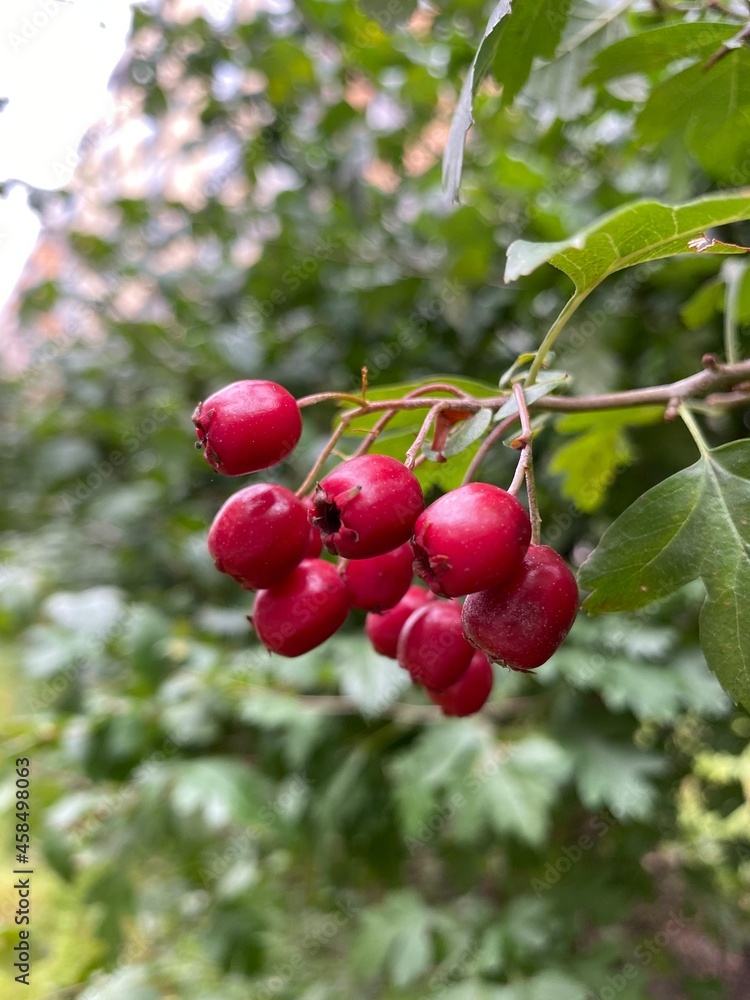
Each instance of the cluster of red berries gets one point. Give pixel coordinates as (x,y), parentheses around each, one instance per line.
(475,543)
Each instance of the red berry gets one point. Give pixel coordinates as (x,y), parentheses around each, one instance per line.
(259,535)
(247,426)
(383,630)
(523,621)
(303,610)
(473,538)
(315,543)
(367,506)
(472,689)
(432,645)
(378,583)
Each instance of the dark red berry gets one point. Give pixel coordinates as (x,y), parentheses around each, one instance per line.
(259,535)
(384,629)
(473,538)
(315,544)
(378,583)
(303,610)
(367,506)
(432,645)
(469,693)
(523,621)
(247,426)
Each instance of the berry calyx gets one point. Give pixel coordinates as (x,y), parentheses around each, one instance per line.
(473,538)
(367,506)
(303,610)
(523,621)
(259,535)
(379,583)
(315,542)
(384,629)
(247,426)
(432,645)
(469,693)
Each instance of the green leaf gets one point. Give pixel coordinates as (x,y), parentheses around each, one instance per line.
(703,305)
(532,30)
(513,791)
(639,232)
(651,51)
(463,119)
(411,418)
(590,462)
(710,110)
(546,383)
(396,937)
(632,795)
(694,524)
(467,432)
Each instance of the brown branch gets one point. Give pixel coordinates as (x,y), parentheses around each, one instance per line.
(713,377)
(735,42)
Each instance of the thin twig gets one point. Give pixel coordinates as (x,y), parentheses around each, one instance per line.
(416,447)
(320,461)
(735,42)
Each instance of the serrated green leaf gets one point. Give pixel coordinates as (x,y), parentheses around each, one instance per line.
(513,793)
(590,462)
(632,795)
(463,118)
(532,30)
(694,524)
(467,432)
(640,232)
(710,110)
(651,51)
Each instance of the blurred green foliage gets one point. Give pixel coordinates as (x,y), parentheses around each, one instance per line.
(213,822)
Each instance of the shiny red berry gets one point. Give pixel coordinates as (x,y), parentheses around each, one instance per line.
(259,535)
(523,621)
(469,693)
(367,506)
(379,583)
(472,538)
(432,645)
(247,426)
(384,629)
(301,612)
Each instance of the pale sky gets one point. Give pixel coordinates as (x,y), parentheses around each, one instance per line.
(56,57)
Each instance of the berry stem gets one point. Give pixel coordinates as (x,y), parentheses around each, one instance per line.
(373,433)
(552,334)
(525,467)
(692,425)
(413,452)
(320,461)
(496,433)
(324,397)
